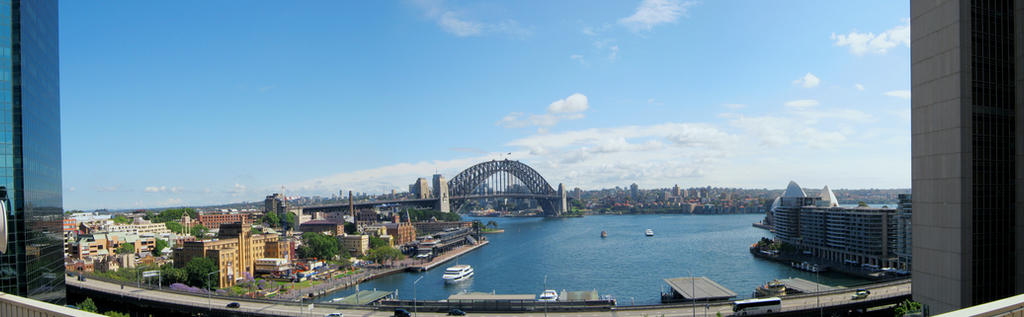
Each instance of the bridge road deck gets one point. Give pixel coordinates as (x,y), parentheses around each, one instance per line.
(883,292)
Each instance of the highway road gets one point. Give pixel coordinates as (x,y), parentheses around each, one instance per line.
(284,309)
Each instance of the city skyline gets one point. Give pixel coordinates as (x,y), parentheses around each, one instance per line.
(322,98)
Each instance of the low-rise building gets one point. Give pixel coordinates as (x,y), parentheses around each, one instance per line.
(103,244)
(355,245)
(141,227)
(329,227)
(402,231)
(429,227)
(214,220)
(235,250)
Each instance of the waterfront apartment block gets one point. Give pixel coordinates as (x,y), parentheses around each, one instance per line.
(235,251)
(214,220)
(858,236)
(966,151)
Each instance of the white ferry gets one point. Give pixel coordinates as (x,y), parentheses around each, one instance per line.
(649,233)
(549,295)
(457,273)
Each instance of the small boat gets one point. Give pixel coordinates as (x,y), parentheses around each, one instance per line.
(604,234)
(457,273)
(649,233)
(548,296)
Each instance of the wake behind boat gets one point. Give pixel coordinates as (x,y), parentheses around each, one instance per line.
(457,273)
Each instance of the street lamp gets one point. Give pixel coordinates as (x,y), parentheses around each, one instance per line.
(209,296)
(414,306)
(693,293)
(545,289)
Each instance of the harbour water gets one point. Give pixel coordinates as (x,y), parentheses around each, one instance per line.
(627,264)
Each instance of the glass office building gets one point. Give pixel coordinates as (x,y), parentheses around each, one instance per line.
(30,160)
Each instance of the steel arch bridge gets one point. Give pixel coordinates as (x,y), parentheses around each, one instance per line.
(505,179)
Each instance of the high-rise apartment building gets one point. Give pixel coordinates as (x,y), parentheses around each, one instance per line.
(277,204)
(968,245)
(30,163)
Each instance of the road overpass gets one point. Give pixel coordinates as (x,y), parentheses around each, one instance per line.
(155,300)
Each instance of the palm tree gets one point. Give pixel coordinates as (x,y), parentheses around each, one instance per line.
(492,224)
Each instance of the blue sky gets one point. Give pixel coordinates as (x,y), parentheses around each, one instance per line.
(202,102)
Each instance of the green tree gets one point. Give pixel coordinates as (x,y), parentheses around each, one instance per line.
(255,230)
(121,219)
(376,242)
(198,271)
(293,221)
(477,224)
(116,314)
(384,254)
(199,231)
(158,247)
(907,307)
(862,204)
(174,227)
(318,245)
(173,214)
(271,219)
(425,215)
(492,224)
(88,305)
(170,274)
(350,228)
(125,248)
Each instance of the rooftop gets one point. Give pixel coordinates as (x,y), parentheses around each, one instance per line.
(700,288)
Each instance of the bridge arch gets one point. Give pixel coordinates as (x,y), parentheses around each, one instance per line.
(463,185)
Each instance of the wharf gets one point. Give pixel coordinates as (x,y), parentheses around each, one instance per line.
(803,286)
(837,267)
(446,257)
(760,225)
(364,297)
(695,288)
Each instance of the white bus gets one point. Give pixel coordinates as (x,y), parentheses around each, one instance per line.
(757,306)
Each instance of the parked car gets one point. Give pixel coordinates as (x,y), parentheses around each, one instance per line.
(456,312)
(335,315)
(234,305)
(861,293)
(402,313)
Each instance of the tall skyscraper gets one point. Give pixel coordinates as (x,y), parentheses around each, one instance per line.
(968,227)
(30,167)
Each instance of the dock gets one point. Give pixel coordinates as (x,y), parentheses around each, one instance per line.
(802,286)
(364,297)
(696,288)
(486,297)
(446,257)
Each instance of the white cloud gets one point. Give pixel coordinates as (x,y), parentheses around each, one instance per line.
(861,43)
(161,189)
(578,57)
(574,103)
(902,94)
(455,22)
(72,189)
(803,103)
(859,87)
(653,12)
(452,24)
(237,190)
(570,108)
(808,81)
(614,52)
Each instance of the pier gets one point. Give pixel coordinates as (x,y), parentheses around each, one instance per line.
(446,257)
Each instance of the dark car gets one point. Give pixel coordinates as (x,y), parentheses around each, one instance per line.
(401,313)
(234,305)
(456,312)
